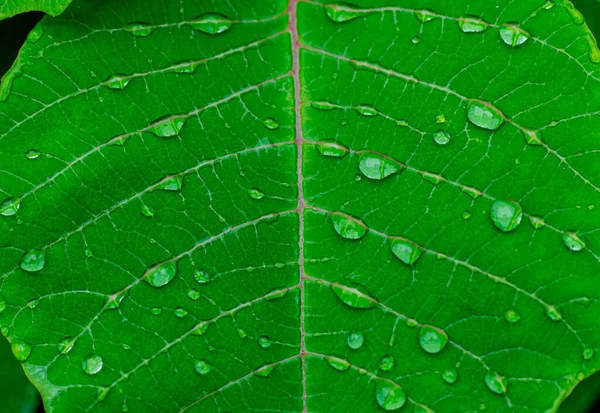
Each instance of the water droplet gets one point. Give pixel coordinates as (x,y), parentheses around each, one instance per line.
(193,295)
(166,128)
(32,154)
(322,105)
(389,396)
(484,116)
(147,211)
(466,215)
(366,110)
(255,193)
(355,340)
(2,304)
(10,206)
(353,297)
(537,222)
(162,275)
(242,333)
(156,311)
(211,23)
(180,312)
(377,167)
(66,345)
(115,301)
(348,228)
(472,192)
(495,382)
(271,123)
(573,242)
(173,183)
(533,137)
(588,353)
(513,35)
(441,138)
(92,364)
(410,322)
(118,81)
(506,215)
(422,409)
(450,376)
(33,261)
(338,364)
(21,350)
(139,29)
(553,313)
(512,316)
(201,329)
(201,276)
(266,371)
(276,294)
(386,363)
(406,251)
(331,150)
(432,339)
(202,367)
(88,253)
(425,16)
(470,24)
(264,342)
(416,40)
(340,13)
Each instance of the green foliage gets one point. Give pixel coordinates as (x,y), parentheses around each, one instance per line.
(245,206)
(17,394)
(9,8)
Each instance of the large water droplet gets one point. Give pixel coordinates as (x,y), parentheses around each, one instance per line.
(34,261)
(255,193)
(201,329)
(66,345)
(92,364)
(21,350)
(366,110)
(389,396)
(442,137)
(32,154)
(432,339)
(573,242)
(340,13)
(377,167)
(338,364)
(512,316)
(193,295)
(355,340)
(202,367)
(173,183)
(506,215)
(180,312)
(495,382)
(450,376)
(201,276)
(10,206)
(484,116)
(167,128)
(513,35)
(211,23)
(353,297)
(331,150)
(553,313)
(118,81)
(348,228)
(406,251)
(140,29)
(271,123)
(162,275)
(386,363)
(470,24)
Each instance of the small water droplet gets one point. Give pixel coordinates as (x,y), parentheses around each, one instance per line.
(201,329)
(88,253)
(425,16)
(271,123)
(201,276)
(432,339)
(2,304)
(202,367)
(406,251)
(32,154)
(255,193)
(180,312)
(512,316)
(377,167)
(166,128)
(332,150)
(348,228)
(366,110)
(117,81)
(342,12)
(193,295)
(173,183)
(266,371)
(537,222)
(242,333)
(484,116)
(513,35)
(353,297)
(466,215)
(416,40)
(386,363)
(211,23)
(322,105)
(21,350)
(264,342)
(450,376)
(156,311)
(573,242)
(147,211)
(33,261)
(10,206)
(115,302)
(470,24)
(441,137)
(276,294)
(355,340)
(92,364)
(338,364)
(411,322)
(66,345)
(495,382)
(162,275)
(440,119)
(588,353)
(139,29)
(389,396)
(506,215)
(553,313)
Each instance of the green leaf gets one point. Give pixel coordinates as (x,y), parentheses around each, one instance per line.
(9,8)
(257,206)
(17,394)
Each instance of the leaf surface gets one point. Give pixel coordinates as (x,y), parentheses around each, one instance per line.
(235,207)
(9,8)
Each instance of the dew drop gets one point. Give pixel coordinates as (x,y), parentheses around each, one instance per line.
(266,371)
(21,350)
(147,211)
(588,353)
(139,29)
(115,301)
(348,228)
(432,339)
(211,23)
(495,382)
(366,110)
(416,40)
(242,333)
(92,364)
(355,340)
(537,222)
(10,206)
(33,261)
(167,128)
(66,345)
(201,329)
(202,367)
(441,137)
(450,376)
(472,25)
(512,316)
(193,295)
(377,167)
(411,322)
(513,35)
(553,313)
(271,123)
(162,275)
(180,312)
(406,251)
(256,193)
(264,342)
(533,137)
(425,16)
(340,13)
(156,311)
(332,150)
(484,116)
(573,242)
(506,215)
(32,154)
(201,276)
(389,396)
(338,364)
(353,297)
(386,363)
(172,183)
(118,81)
